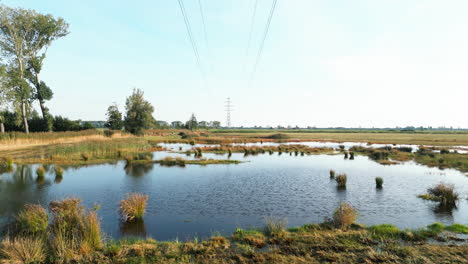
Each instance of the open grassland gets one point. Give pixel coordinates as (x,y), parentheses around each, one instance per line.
(420,138)
(89,151)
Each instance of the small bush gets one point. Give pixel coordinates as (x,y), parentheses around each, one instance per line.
(332,174)
(444,151)
(23,250)
(274,226)
(84,156)
(133,207)
(341,180)
(378,182)
(344,216)
(33,219)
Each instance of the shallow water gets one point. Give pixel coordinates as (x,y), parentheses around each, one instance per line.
(199,200)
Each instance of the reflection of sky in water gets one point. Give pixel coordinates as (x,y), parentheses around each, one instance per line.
(199,200)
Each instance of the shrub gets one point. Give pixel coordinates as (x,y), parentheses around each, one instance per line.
(133,207)
(344,216)
(332,174)
(346,154)
(40,171)
(23,250)
(444,151)
(85,156)
(444,193)
(351,155)
(274,225)
(341,180)
(33,219)
(379,182)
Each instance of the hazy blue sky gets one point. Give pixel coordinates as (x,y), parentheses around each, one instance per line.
(325,63)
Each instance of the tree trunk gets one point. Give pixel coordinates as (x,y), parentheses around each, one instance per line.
(25,119)
(2,127)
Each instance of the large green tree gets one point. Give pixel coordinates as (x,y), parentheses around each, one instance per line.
(25,36)
(114,118)
(139,113)
(46,29)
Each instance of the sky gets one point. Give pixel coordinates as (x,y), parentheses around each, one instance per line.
(360,63)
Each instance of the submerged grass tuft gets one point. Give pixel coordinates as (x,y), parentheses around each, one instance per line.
(133,207)
(341,180)
(443,193)
(379,182)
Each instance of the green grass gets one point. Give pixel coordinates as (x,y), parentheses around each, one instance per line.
(385,231)
(457,228)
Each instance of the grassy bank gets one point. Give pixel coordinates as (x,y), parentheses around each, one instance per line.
(426,156)
(73,235)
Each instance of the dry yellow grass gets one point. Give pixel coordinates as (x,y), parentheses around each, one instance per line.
(133,207)
(23,250)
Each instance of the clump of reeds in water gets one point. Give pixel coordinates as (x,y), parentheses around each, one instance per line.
(274,225)
(443,193)
(344,216)
(6,164)
(341,180)
(346,154)
(33,219)
(379,182)
(40,172)
(133,207)
(332,174)
(229,153)
(351,155)
(58,174)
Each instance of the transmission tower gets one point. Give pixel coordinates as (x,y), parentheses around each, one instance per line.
(228,106)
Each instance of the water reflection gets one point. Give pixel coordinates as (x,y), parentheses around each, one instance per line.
(138,170)
(223,197)
(133,229)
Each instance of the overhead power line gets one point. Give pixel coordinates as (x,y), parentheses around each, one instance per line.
(262,44)
(252,23)
(192,40)
(202,14)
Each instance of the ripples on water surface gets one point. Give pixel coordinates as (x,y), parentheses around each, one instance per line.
(198,200)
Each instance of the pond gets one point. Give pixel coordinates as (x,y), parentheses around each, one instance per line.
(201,200)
